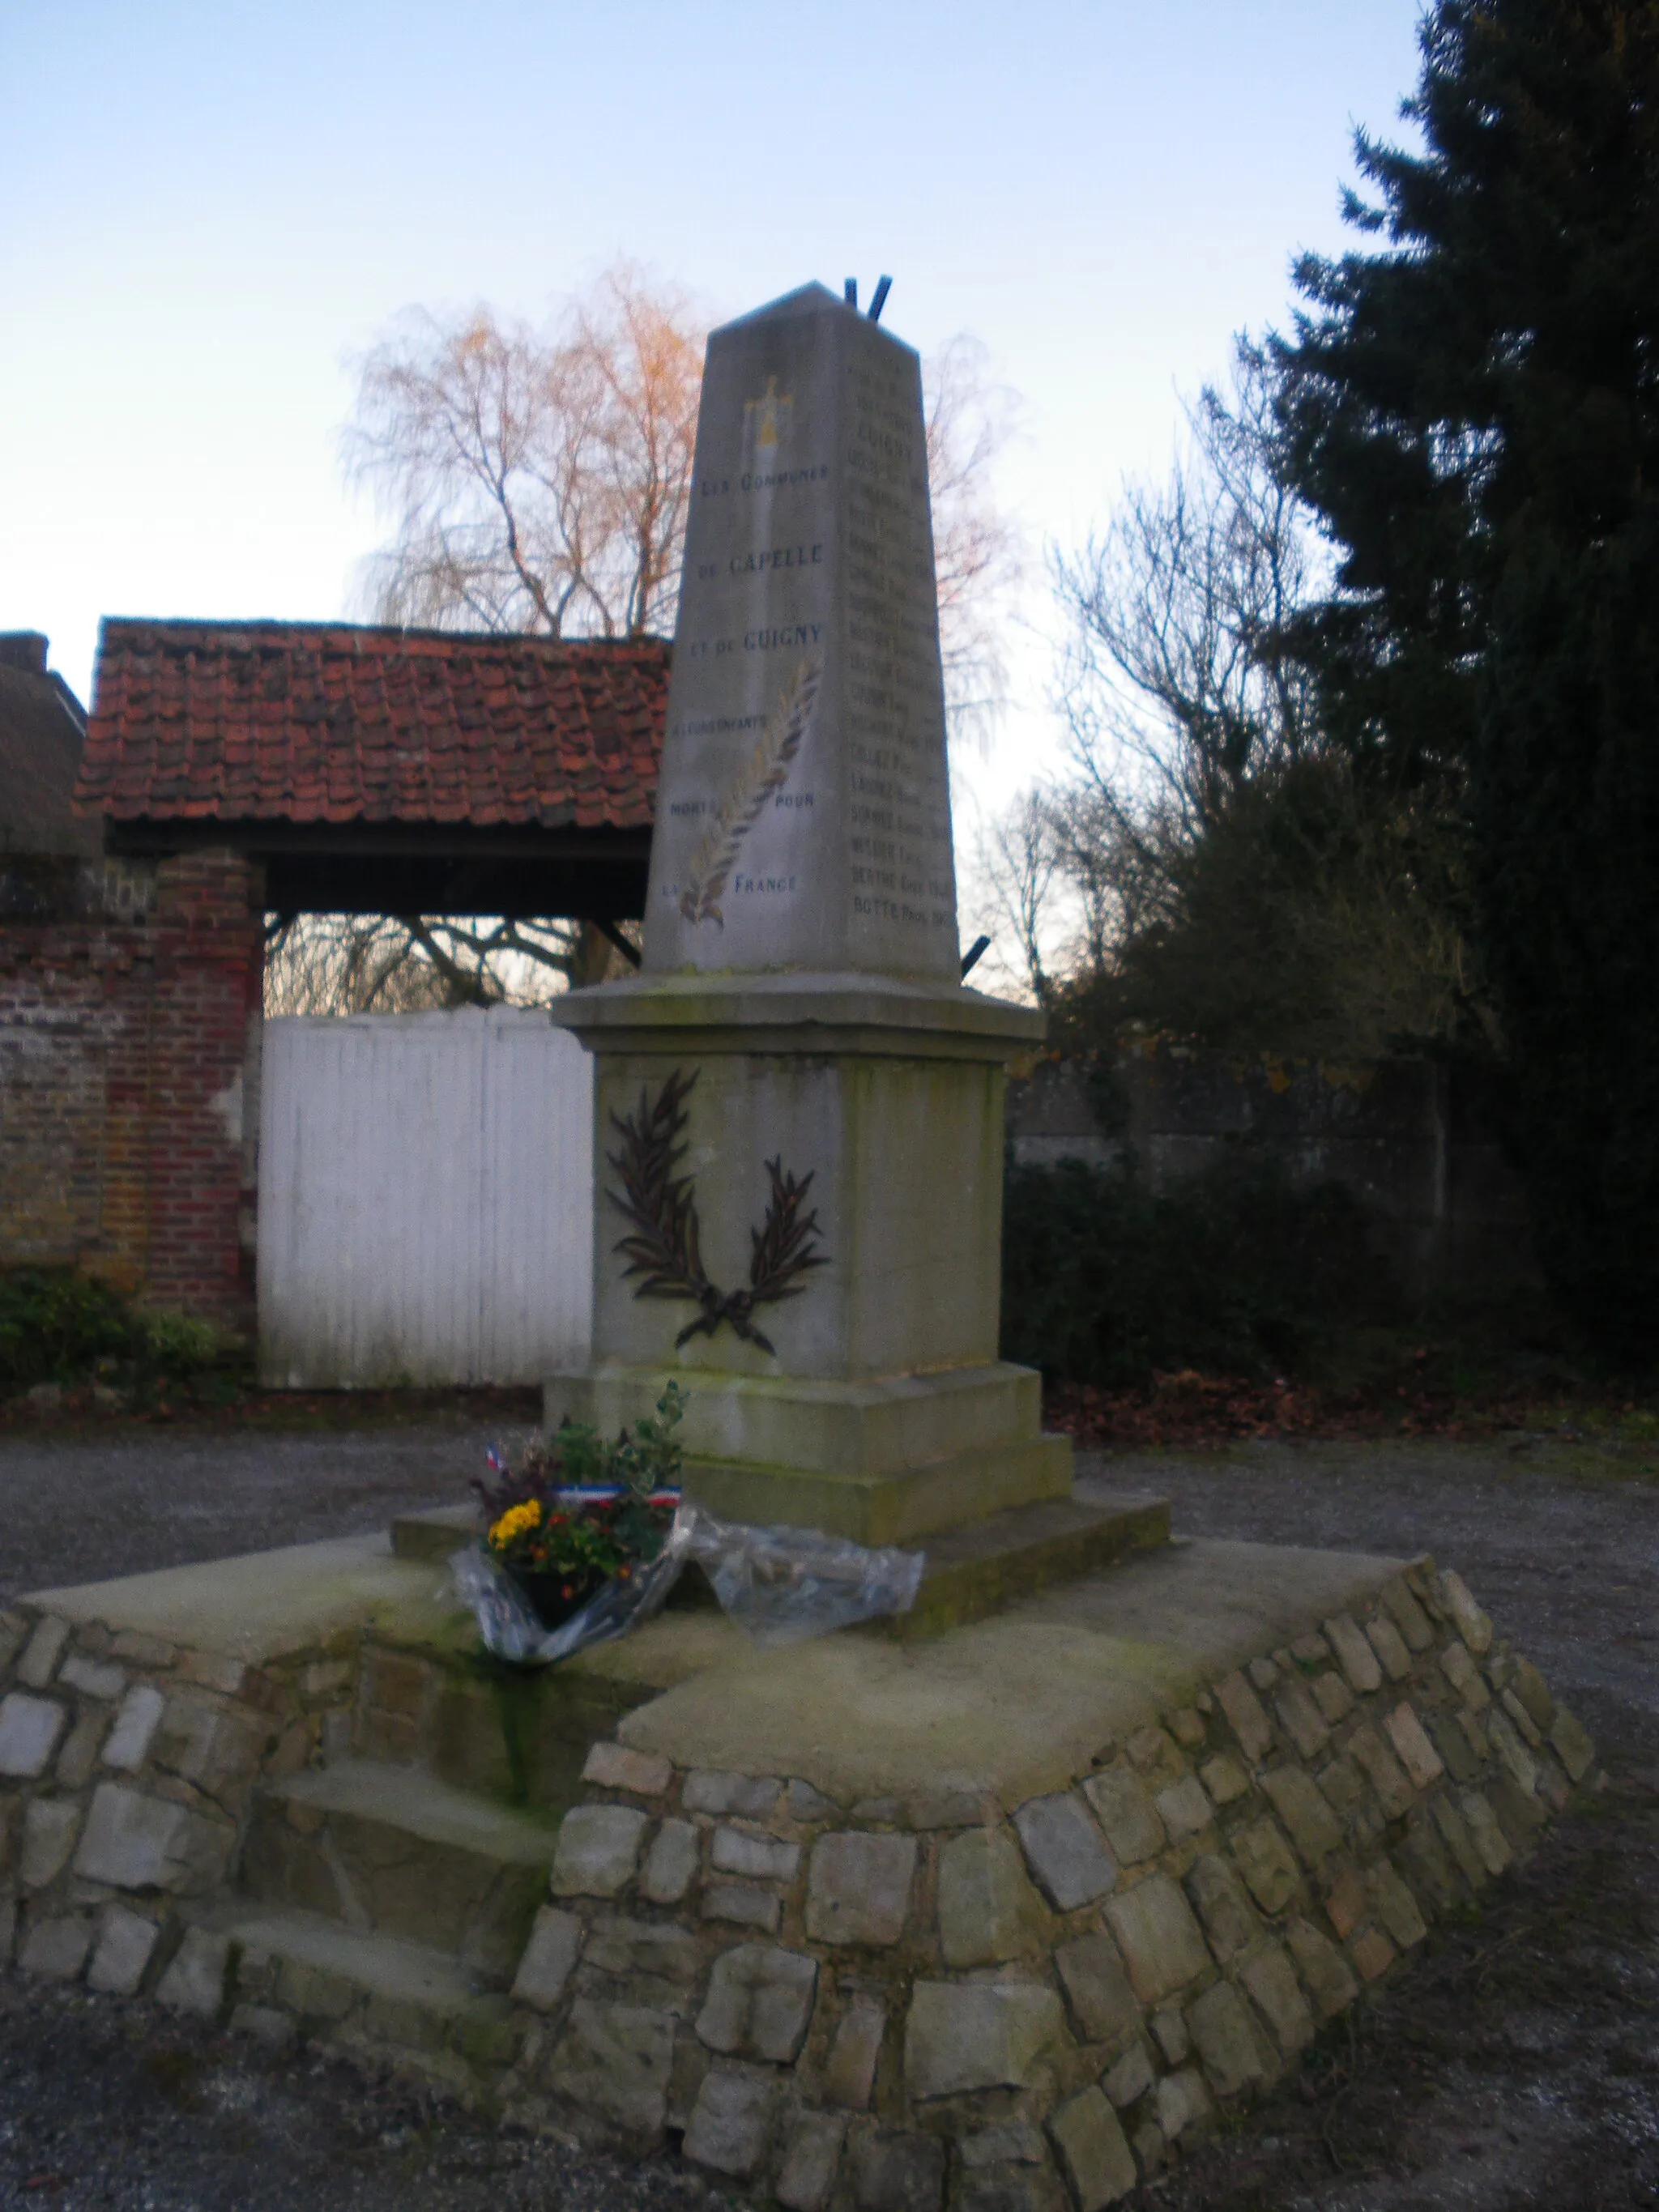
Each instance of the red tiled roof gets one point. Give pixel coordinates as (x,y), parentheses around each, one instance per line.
(331,722)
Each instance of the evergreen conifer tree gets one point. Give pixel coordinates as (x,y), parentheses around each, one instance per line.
(1473,406)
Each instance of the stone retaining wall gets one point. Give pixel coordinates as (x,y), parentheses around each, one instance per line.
(893,2003)
(886,2006)
(1415,1141)
(127,1772)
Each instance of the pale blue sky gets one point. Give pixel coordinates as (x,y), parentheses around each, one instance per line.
(208,210)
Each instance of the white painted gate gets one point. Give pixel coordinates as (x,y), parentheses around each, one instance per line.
(425,1200)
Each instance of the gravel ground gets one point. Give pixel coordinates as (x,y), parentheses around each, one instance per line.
(1516,2066)
(79,1507)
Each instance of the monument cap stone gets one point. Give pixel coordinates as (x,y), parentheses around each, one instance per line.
(803,813)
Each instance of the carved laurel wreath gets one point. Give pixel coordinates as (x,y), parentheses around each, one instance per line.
(664,1246)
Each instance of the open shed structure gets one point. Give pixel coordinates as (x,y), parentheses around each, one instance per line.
(384,771)
(239,770)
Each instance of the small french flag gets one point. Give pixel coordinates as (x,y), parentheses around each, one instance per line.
(606,1493)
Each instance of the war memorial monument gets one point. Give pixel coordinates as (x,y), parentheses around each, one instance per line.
(990,1907)
(798,1106)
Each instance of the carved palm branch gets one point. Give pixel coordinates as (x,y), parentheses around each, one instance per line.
(663,1246)
(765,771)
(785,1244)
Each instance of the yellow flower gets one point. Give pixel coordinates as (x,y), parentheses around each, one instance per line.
(515,1521)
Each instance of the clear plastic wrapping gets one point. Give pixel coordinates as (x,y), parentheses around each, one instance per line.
(509,1626)
(779,1585)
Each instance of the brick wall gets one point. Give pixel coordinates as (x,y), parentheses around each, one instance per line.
(128,1045)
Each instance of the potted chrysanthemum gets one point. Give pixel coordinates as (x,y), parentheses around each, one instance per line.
(580,1512)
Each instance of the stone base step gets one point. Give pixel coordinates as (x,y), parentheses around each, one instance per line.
(974,1571)
(971,1571)
(515,1736)
(905,1506)
(434,1535)
(392,1851)
(368,1991)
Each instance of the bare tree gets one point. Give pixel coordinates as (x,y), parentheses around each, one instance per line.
(1117,866)
(1180,686)
(535,481)
(346,963)
(1017,859)
(978,546)
(343,963)
(1176,686)
(539,481)
(1230,876)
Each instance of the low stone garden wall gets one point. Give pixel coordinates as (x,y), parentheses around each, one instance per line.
(128,1768)
(873,2006)
(885,2006)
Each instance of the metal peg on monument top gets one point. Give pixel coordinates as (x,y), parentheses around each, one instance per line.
(849,293)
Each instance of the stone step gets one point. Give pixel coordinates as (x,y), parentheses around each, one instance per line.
(359,1987)
(393,1852)
(434,1535)
(971,1571)
(518,1735)
(974,1571)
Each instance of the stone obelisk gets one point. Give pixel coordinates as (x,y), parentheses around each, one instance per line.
(805,821)
(800,1108)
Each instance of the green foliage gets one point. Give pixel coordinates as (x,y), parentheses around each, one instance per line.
(1243,881)
(584,1543)
(1309,917)
(1564,804)
(58,1326)
(646,1458)
(650,1459)
(55,1326)
(1232,1271)
(172,1344)
(1472,409)
(528,1526)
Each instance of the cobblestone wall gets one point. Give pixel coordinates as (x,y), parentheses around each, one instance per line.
(889,2006)
(865,2005)
(128,1768)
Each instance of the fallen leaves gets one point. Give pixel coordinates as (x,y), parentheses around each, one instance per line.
(1191,1409)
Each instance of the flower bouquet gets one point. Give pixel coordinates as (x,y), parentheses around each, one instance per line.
(584,1540)
(581,1515)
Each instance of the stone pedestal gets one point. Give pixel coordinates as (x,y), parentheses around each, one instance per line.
(881,1411)
(1034,1898)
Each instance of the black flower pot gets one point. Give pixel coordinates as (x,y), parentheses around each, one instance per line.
(543,1591)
